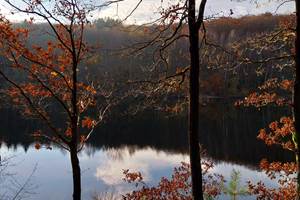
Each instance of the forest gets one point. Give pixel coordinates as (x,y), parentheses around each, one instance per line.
(189,106)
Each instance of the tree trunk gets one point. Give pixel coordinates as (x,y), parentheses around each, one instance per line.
(194,104)
(297,88)
(76,174)
(74,126)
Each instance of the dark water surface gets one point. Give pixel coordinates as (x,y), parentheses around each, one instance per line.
(152,142)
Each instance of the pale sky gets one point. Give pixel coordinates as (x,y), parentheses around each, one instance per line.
(148,9)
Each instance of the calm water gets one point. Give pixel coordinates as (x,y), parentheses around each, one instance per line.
(152,143)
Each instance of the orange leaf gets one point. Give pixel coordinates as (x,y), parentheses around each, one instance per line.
(87,122)
(37,146)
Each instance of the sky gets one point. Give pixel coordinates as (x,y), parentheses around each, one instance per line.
(148,9)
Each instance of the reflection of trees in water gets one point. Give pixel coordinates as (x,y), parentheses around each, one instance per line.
(232,135)
(117,154)
(228,134)
(15,130)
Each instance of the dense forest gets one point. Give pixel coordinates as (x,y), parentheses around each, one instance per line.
(112,41)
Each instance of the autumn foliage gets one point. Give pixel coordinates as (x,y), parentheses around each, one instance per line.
(178,187)
(276,92)
(50,85)
(279,133)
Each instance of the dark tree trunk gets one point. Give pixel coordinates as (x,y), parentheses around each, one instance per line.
(297,87)
(76,174)
(194,104)
(74,158)
(74,122)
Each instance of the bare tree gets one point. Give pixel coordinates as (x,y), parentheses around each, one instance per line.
(167,30)
(12,188)
(194,24)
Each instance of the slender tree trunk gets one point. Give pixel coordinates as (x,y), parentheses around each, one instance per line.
(76,174)
(194,104)
(297,88)
(74,122)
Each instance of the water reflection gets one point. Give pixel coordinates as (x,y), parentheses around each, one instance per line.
(152,143)
(147,161)
(103,170)
(227,134)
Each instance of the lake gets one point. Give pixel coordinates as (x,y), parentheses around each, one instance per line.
(151,142)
